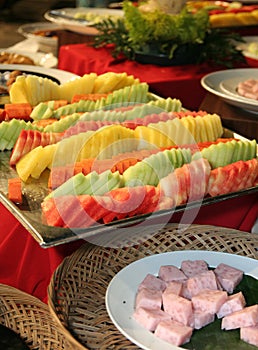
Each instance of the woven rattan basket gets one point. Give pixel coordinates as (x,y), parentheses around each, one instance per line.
(31,320)
(77,290)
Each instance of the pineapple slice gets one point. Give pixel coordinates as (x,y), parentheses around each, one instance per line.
(17,91)
(33,89)
(150,136)
(82,85)
(28,162)
(45,160)
(106,82)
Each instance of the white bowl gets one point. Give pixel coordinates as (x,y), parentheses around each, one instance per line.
(47,44)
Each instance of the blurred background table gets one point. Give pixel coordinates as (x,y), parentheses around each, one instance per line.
(182,82)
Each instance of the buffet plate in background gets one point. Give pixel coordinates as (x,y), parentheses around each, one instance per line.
(213,83)
(65,18)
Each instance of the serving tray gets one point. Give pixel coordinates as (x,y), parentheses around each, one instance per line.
(34,191)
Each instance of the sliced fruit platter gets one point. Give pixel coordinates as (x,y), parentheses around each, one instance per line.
(227,13)
(102,151)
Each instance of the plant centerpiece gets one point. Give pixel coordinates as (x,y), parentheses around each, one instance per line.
(167,29)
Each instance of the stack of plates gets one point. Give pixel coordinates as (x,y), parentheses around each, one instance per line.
(224,84)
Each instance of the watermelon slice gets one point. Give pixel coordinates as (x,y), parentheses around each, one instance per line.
(30,139)
(233,177)
(187,183)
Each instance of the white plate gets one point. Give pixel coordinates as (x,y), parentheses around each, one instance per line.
(46,60)
(120,295)
(59,75)
(46,44)
(212,83)
(244,47)
(64,17)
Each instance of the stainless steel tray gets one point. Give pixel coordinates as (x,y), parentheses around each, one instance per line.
(29,213)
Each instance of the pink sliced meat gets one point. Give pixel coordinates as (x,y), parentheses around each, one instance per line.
(205,280)
(173,332)
(193,267)
(234,303)
(202,319)
(174,287)
(229,277)
(150,318)
(209,300)
(171,273)
(179,308)
(152,282)
(247,317)
(249,335)
(147,298)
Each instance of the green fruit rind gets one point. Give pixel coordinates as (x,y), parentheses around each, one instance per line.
(225,153)
(63,124)
(9,132)
(150,170)
(134,93)
(92,184)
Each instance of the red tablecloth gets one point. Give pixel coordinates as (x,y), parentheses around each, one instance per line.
(182,82)
(27,266)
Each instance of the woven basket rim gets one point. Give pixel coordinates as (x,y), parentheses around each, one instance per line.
(76,272)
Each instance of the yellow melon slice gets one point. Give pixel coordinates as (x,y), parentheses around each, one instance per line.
(28,162)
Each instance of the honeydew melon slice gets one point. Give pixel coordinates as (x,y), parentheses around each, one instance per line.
(62,124)
(92,184)
(224,153)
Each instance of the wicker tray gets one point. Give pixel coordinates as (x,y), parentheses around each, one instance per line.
(77,289)
(31,320)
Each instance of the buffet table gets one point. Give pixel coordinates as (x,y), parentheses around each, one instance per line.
(182,82)
(26,265)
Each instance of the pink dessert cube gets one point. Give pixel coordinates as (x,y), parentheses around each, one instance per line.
(205,280)
(234,303)
(249,335)
(209,300)
(202,318)
(173,332)
(171,273)
(152,282)
(247,317)
(193,267)
(229,277)
(179,308)
(174,287)
(149,318)
(151,299)
(185,292)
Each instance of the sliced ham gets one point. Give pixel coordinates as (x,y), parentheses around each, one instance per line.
(205,280)
(209,300)
(229,277)
(150,318)
(174,287)
(147,298)
(179,308)
(152,282)
(202,319)
(173,332)
(249,335)
(235,302)
(171,273)
(247,317)
(193,267)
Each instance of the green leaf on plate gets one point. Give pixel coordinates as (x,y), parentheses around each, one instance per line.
(212,337)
